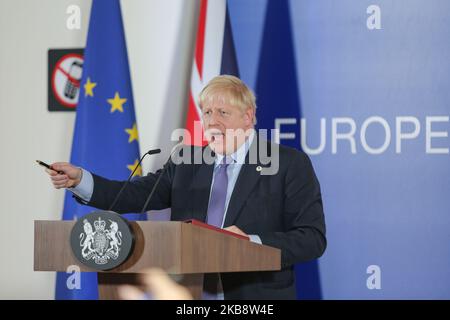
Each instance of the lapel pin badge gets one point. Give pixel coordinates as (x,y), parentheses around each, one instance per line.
(258,168)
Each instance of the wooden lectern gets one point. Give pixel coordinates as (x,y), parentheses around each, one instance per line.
(177,247)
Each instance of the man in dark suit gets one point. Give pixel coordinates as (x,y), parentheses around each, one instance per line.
(277,204)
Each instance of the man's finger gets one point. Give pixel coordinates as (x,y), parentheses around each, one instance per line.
(162,287)
(61,166)
(51,172)
(60,183)
(235,230)
(127,292)
(59,177)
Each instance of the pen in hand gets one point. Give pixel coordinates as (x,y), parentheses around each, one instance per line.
(42,163)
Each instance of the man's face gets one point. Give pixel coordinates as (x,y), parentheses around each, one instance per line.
(225,126)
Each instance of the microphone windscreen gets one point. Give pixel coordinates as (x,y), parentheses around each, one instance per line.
(154,151)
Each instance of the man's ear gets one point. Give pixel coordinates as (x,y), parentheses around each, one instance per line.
(248,115)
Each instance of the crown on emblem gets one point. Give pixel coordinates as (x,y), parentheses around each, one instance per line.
(99,224)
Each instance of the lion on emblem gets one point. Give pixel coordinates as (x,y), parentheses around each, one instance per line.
(87,243)
(115,237)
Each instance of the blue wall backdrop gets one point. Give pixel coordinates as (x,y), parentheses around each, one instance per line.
(385,187)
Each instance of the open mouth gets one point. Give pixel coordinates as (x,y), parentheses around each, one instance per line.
(217,137)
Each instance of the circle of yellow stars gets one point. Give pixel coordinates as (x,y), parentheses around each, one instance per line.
(117,104)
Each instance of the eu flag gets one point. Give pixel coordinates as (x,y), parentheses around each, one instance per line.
(106,138)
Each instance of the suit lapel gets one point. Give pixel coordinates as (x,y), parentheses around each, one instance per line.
(246,181)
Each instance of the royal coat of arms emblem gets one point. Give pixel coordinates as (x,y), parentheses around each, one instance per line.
(102,240)
(103,243)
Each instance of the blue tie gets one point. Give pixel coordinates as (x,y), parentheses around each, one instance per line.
(216,211)
(216,208)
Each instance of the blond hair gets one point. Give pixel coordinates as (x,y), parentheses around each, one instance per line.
(231,90)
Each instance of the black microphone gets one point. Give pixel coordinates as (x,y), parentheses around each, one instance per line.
(163,171)
(150,152)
